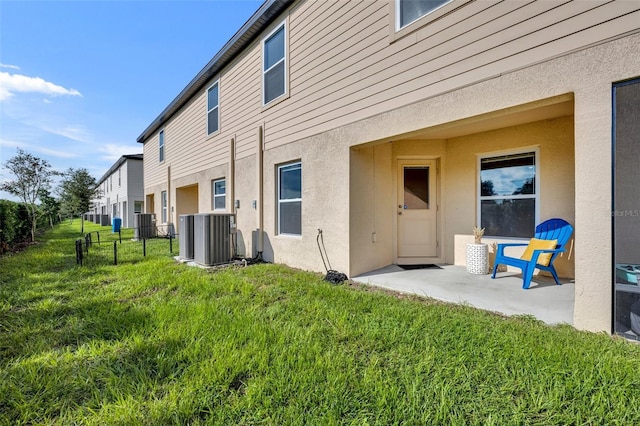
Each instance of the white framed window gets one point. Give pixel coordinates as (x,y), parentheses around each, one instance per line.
(213,108)
(218,194)
(290,199)
(509,193)
(137,206)
(165,207)
(161,145)
(274,64)
(409,11)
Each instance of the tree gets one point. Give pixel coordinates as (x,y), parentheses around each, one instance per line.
(32,174)
(49,205)
(76,191)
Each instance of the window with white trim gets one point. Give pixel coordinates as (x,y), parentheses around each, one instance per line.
(509,194)
(274,64)
(409,11)
(165,207)
(219,194)
(161,145)
(290,199)
(213,110)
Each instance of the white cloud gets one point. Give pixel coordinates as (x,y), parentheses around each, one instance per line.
(10,144)
(113,151)
(13,67)
(76,133)
(14,83)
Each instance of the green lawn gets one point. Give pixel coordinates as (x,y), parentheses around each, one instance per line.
(155,342)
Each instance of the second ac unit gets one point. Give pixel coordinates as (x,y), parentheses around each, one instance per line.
(144,226)
(212,238)
(186,236)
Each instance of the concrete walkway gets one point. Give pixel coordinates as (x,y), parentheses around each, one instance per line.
(544,300)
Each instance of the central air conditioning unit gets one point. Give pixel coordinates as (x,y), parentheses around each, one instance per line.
(212,238)
(144,226)
(104,220)
(186,236)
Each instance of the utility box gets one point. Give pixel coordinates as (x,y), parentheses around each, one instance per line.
(144,226)
(212,238)
(186,236)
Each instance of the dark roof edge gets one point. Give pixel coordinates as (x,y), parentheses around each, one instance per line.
(117,164)
(262,18)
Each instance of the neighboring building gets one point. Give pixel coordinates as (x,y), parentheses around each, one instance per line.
(397,126)
(121,190)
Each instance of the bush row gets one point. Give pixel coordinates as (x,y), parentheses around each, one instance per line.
(15,228)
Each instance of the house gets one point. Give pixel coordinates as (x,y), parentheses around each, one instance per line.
(397,126)
(121,190)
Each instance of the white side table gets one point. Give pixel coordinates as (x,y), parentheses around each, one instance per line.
(477,258)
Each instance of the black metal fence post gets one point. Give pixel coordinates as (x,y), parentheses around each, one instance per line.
(87,242)
(170,243)
(115,252)
(79,251)
(144,247)
(120,235)
(98,234)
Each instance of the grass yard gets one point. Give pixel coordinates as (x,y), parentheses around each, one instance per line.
(155,342)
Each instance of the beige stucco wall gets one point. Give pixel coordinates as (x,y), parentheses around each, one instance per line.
(554,140)
(371,208)
(427,79)
(325,203)
(588,74)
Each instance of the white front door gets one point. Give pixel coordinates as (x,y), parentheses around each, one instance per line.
(417,210)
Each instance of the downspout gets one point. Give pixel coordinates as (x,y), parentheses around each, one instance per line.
(232,195)
(232,174)
(169,212)
(259,204)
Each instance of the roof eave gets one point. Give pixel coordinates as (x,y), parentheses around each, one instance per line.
(261,19)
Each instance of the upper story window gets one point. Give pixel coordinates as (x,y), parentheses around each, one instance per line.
(509,194)
(161,146)
(274,68)
(409,11)
(219,194)
(213,110)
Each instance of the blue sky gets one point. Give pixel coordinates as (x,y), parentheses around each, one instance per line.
(81,80)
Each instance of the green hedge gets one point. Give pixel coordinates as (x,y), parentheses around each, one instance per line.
(14,224)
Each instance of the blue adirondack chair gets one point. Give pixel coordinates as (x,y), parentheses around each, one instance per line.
(552,229)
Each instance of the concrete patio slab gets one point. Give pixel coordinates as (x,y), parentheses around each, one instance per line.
(546,301)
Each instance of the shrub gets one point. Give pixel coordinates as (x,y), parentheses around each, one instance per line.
(14,224)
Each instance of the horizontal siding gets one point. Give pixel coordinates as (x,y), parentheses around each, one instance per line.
(343,68)
(152,169)
(357,89)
